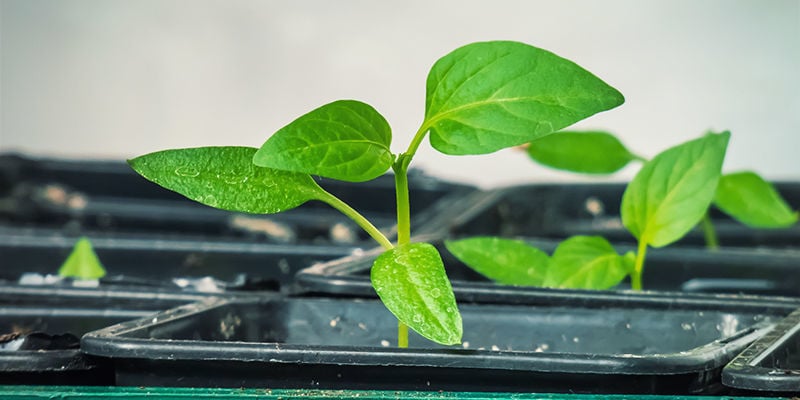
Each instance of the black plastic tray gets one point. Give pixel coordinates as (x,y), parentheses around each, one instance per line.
(109,195)
(152,260)
(74,311)
(771,365)
(735,271)
(558,211)
(610,343)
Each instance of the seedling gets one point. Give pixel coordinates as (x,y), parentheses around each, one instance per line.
(480,98)
(666,199)
(82,263)
(744,196)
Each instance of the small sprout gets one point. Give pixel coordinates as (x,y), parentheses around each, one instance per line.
(82,262)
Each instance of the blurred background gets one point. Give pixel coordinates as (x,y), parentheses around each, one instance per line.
(115,79)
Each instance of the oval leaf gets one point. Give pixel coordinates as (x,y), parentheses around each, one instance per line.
(487,96)
(506,261)
(673,191)
(584,152)
(411,282)
(753,201)
(346,140)
(586,262)
(82,262)
(225,178)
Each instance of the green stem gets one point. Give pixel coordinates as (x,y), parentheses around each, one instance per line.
(710,233)
(357,218)
(636,277)
(402,335)
(403,203)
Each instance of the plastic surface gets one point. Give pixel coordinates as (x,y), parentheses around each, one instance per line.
(68,312)
(152,260)
(580,343)
(771,365)
(558,211)
(109,195)
(123,393)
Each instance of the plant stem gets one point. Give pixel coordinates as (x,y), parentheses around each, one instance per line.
(709,232)
(402,335)
(359,219)
(400,168)
(403,203)
(636,277)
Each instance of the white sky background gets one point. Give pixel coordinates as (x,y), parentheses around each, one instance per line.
(116,79)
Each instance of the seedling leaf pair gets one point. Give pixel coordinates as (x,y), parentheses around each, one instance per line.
(580,262)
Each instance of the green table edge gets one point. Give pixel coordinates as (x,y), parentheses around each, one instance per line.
(122,392)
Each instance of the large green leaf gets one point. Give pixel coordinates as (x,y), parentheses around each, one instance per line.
(411,282)
(506,261)
(586,262)
(589,152)
(346,140)
(753,201)
(225,177)
(82,262)
(673,191)
(487,96)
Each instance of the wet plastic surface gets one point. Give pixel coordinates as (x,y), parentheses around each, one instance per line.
(63,313)
(580,343)
(558,211)
(771,365)
(151,260)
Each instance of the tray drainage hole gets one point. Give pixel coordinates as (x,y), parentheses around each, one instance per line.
(385,343)
(465,344)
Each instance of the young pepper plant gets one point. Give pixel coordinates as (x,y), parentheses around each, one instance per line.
(664,201)
(744,196)
(480,98)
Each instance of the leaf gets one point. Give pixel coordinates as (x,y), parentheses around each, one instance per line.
(506,261)
(586,262)
(225,178)
(753,201)
(672,192)
(82,262)
(411,282)
(487,96)
(346,140)
(585,152)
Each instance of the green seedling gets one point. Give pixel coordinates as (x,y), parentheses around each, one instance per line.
(744,196)
(480,98)
(82,262)
(663,202)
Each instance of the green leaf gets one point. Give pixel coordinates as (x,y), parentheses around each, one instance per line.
(346,140)
(586,262)
(585,152)
(225,177)
(753,201)
(487,96)
(673,191)
(506,261)
(411,282)
(82,262)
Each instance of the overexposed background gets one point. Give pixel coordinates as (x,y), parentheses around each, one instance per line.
(115,79)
